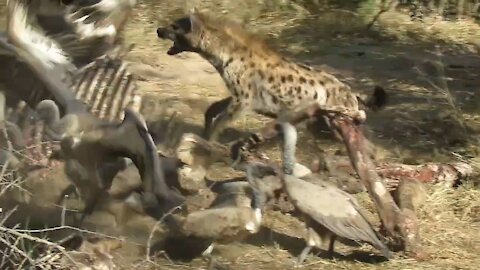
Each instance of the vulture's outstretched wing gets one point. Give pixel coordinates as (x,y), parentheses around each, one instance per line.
(99,18)
(43,57)
(132,139)
(86,29)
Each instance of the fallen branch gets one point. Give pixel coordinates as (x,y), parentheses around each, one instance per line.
(18,236)
(16,233)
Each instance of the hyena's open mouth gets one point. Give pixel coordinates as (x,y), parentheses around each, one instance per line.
(164,33)
(180,44)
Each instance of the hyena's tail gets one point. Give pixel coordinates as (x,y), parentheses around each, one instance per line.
(378,100)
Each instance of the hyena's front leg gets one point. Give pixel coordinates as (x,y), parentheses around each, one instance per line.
(217,124)
(214,111)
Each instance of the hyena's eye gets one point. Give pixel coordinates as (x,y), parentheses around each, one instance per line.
(184,24)
(175,27)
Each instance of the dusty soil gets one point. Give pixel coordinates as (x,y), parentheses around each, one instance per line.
(419,125)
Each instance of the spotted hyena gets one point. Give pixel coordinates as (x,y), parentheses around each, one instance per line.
(258,78)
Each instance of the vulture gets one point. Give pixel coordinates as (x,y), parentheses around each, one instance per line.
(85,29)
(328,211)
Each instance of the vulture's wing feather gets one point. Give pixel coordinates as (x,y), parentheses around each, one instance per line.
(42,55)
(24,36)
(20,82)
(85,29)
(98,18)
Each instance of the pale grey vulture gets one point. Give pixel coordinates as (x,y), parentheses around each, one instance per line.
(328,211)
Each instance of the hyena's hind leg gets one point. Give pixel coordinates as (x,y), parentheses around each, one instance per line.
(221,117)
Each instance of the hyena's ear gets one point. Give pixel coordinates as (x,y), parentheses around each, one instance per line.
(195,20)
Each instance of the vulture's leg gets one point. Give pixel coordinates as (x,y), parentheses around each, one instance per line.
(207,256)
(210,261)
(303,255)
(103,180)
(88,185)
(91,202)
(313,239)
(95,194)
(331,245)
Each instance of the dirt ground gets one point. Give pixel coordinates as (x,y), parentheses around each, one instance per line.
(419,125)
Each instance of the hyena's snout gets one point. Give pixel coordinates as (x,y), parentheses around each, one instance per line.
(163,33)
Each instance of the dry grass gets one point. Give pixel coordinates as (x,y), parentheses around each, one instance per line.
(462,34)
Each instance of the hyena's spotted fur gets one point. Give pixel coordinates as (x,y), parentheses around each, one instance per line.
(258,78)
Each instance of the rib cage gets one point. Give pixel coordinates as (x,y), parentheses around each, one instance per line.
(107,87)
